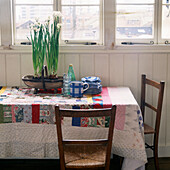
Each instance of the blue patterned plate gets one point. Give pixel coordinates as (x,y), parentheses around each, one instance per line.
(91,79)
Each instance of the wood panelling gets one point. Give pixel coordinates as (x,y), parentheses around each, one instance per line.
(2,70)
(101,66)
(13,69)
(60,64)
(131,72)
(26,66)
(160,73)
(116,70)
(86,65)
(145,67)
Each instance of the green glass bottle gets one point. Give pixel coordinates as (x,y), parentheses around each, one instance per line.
(71,72)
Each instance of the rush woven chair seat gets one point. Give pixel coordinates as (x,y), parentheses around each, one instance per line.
(85,154)
(158,109)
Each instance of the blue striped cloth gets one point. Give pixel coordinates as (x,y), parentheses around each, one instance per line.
(94,85)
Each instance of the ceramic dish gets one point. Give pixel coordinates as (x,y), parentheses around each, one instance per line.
(91,79)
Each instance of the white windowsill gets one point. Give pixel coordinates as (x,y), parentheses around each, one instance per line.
(141,47)
(161,48)
(63,48)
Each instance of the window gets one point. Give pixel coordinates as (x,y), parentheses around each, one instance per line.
(165,25)
(135,20)
(143,21)
(82,21)
(98,21)
(25,13)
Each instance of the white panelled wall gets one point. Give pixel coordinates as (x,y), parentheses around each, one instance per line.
(114,69)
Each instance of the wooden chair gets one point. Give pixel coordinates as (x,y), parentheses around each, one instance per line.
(92,154)
(148,129)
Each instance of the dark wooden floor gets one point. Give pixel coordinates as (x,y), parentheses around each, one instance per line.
(164,164)
(46,164)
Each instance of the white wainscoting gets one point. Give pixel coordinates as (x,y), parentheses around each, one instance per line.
(114,69)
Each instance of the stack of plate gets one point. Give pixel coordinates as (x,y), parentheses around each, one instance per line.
(94,85)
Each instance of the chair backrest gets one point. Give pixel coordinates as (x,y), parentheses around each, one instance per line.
(59,113)
(158,108)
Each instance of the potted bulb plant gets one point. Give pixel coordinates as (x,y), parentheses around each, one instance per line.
(45,46)
(52,43)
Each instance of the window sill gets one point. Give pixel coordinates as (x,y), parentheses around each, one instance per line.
(63,48)
(94,49)
(81,47)
(154,48)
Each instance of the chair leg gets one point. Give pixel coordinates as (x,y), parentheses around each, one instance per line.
(156,157)
(118,161)
(121,161)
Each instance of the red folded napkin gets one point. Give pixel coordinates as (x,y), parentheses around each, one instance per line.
(51,91)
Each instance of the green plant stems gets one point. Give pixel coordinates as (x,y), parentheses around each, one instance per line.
(45,44)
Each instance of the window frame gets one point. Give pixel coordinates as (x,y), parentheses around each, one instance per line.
(101,25)
(146,40)
(57,6)
(109,28)
(18,41)
(160,18)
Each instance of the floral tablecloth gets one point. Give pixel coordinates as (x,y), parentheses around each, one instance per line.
(21,109)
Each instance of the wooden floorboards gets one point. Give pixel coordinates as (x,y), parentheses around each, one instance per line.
(46,164)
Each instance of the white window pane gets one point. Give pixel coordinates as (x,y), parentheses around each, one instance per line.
(165,22)
(135,1)
(25,15)
(80,23)
(34,1)
(71,2)
(166,1)
(135,21)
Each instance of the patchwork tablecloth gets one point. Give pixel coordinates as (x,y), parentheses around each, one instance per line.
(22,108)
